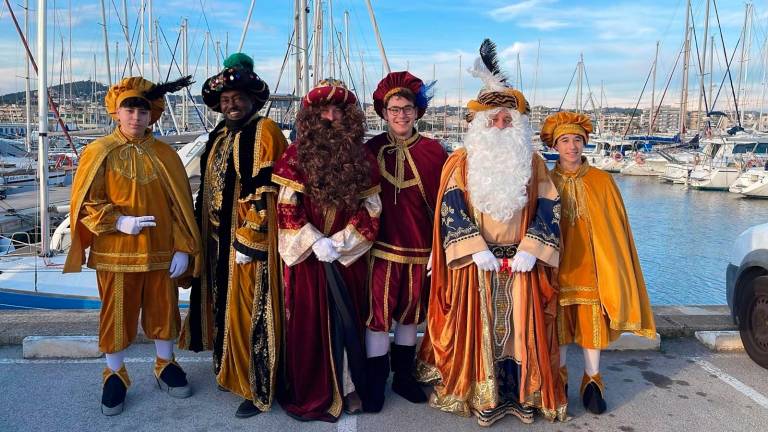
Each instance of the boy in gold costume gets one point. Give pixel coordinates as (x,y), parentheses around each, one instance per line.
(602,292)
(132,206)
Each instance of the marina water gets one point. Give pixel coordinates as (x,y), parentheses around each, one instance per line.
(684,237)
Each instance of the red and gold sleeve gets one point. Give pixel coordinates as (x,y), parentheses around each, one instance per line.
(358,235)
(295,234)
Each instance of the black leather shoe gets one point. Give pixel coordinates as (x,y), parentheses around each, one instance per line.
(403,382)
(247,409)
(113,396)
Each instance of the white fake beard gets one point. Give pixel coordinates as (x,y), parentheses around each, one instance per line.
(499,164)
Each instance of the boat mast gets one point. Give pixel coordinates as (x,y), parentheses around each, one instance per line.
(303,47)
(745,47)
(536,75)
(686,57)
(185,72)
(151,42)
(385,63)
(245,27)
(702,66)
(106,41)
(763,82)
(331,41)
(652,116)
(28,105)
(318,39)
(579,82)
(128,47)
(42,116)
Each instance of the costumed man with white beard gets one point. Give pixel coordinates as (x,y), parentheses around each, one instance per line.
(490,347)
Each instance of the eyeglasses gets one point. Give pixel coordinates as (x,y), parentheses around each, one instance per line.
(407,110)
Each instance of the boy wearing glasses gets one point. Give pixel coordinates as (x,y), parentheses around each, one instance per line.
(410,166)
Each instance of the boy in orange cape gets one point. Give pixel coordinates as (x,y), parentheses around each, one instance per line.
(602,292)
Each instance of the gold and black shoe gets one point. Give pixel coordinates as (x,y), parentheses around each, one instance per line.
(114,390)
(593,393)
(171,378)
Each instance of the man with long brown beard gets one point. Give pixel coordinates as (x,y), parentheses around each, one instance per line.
(491,316)
(328,217)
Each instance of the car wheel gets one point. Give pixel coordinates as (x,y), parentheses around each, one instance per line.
(754,323)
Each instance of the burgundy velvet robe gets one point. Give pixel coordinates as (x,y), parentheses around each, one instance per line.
(312,389)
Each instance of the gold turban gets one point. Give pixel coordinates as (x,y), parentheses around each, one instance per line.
(565,122)
(133,87)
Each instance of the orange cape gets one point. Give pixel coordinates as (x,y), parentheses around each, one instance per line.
(174,179)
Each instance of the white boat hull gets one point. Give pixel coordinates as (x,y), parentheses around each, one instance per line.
(753,184)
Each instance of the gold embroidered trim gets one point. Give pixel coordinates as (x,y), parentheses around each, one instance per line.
(569,302)
(119,311)
(596,315)
(336,405)
(427,373)
(399,258)
(330,218)
(577,288)
(256,195)
(402,249)
(298,187)
(370,192)
(251,245)
(410,294)
(130,268)
(486,343)
(131,254)
(386,293)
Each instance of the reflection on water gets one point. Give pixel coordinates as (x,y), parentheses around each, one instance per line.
(684,237)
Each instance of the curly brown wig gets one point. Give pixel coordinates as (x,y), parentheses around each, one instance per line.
(332,156)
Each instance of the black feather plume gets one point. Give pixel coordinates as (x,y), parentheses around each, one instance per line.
(490,59)
(159,90)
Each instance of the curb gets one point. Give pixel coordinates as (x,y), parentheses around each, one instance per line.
(721,341)
(40,347)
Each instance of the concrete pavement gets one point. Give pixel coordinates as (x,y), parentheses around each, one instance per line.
(683,387)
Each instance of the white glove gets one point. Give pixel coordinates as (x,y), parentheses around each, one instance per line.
(486,261)
(132,225)
(325,251)
(523,262)
(242,258)
(429,265)
(179,264)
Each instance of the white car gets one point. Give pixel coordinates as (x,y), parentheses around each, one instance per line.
(747,290)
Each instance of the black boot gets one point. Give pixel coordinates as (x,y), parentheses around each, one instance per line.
(403,382)
(377,372)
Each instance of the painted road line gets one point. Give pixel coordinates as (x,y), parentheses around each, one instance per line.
(733,382)
(18,361)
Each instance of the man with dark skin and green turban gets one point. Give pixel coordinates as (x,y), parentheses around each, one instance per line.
(236,304)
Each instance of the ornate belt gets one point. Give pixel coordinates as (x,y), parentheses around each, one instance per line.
(503,251)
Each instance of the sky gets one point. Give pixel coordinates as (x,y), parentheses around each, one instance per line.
(435,39)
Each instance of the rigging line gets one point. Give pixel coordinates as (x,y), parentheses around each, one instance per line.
(722,82)
(560,108)
(634,110)
(186,89)
(282,68)
(346,57)
(728,66)
(701,66)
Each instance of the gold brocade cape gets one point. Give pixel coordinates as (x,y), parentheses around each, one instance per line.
(591,195)
(456,352)
(174,179)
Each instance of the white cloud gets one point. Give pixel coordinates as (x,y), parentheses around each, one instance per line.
(510,12)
